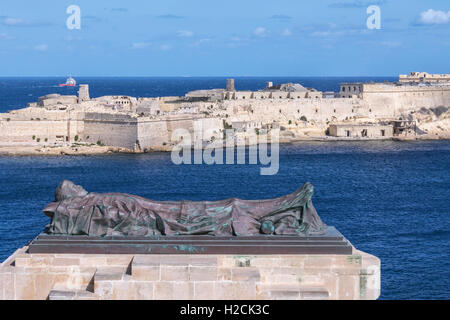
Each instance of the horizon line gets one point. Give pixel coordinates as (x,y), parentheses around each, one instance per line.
(201,76)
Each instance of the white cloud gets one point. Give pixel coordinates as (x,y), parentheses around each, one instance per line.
(6,36)
(165,47)
(41,47)
(434,17)
(321,34)
(140,45)
(200,42)
(260,32)
(185,33)
(18,22)
(391,44)
(13,21)
(74,38)
(338,33)
(236,41)
(286,33)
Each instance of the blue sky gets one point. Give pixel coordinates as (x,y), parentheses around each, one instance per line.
(223,38)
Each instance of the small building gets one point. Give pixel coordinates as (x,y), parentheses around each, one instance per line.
(205,95)
(350,90)
(117,100)
(55,99)
(370,130)
(242,126)
(148,107)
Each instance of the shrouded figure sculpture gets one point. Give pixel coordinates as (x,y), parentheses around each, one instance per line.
(77,212)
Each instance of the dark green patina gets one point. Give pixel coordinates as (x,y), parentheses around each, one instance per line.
(77,212)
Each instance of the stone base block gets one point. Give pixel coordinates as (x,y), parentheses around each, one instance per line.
(189,277)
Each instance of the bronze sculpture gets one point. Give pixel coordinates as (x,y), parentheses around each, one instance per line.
(77,212)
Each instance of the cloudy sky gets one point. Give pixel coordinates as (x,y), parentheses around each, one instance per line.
(223,38)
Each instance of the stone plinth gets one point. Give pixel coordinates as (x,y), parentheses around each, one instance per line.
(220,277)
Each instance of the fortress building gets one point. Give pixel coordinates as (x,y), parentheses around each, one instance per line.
(359,111)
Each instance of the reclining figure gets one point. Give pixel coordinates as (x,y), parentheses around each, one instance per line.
(77,212)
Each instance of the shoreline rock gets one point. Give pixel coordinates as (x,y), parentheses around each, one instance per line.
(111,150)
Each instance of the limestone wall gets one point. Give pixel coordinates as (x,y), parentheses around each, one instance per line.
(152,133)
(26,276)
(406,98)
(22,131)
(110,129)
(320,110)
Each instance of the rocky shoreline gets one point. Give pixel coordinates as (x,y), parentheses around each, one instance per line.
(88,150)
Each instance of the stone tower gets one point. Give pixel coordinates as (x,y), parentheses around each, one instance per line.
(230,85)
(83,93)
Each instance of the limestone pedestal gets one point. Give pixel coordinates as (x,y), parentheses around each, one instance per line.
(186,277)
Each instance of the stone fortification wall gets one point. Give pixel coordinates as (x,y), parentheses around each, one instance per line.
(110,129)
(46,126)
(376,101)
(23,131)
(152,133)
(319,110)
(36,113)
(406,98)
(57,100)
(157,133)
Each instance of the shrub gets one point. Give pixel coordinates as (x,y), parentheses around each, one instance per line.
(34,137)
(226,125)
(76,138)
(38,139)
(303,118)
(46,140)
(8,119)
(100,143)
(290,121)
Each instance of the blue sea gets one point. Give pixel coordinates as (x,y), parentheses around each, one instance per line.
(390,199)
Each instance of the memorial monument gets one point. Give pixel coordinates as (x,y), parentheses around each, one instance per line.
(77,212)
(121,246)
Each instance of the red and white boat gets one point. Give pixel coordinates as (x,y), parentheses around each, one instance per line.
(70,82)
